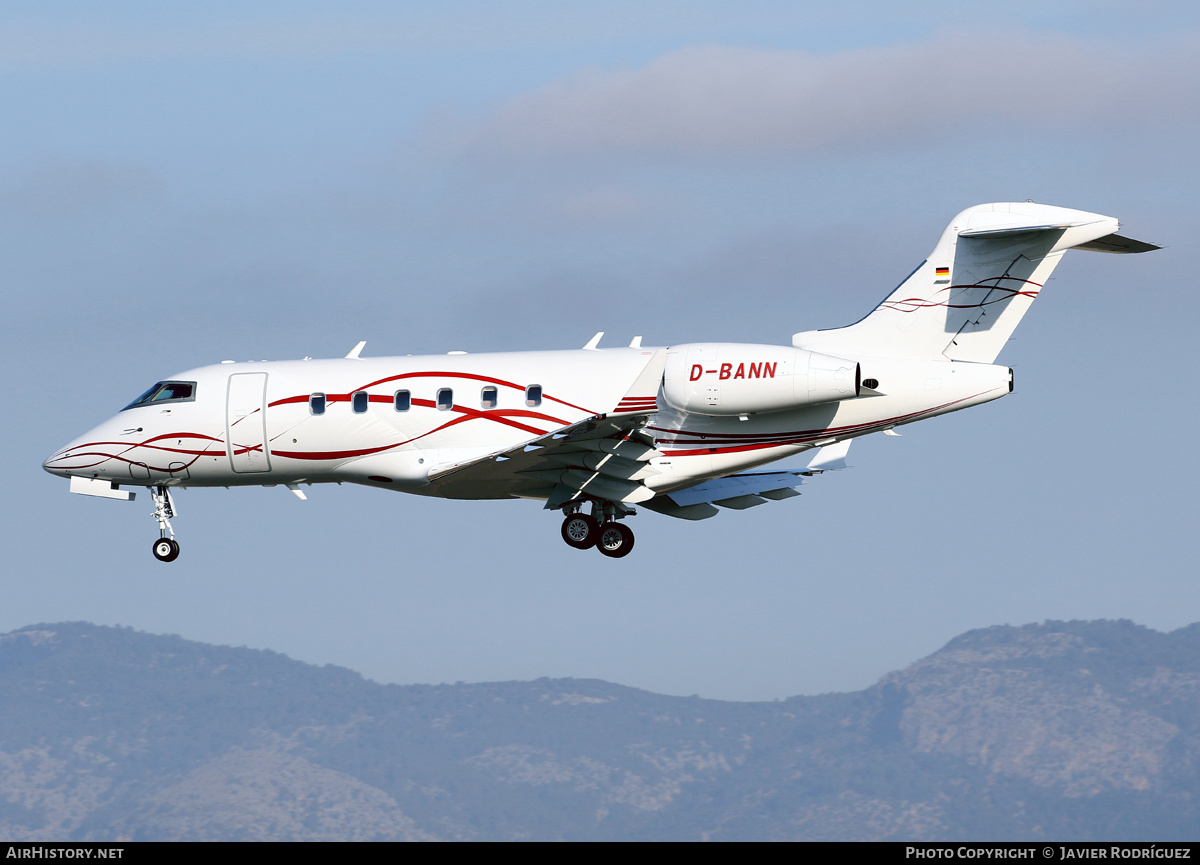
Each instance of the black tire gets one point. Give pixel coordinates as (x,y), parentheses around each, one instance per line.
(615,540)
(165,549)
(580,531)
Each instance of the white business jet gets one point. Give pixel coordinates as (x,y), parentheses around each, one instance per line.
(593,432)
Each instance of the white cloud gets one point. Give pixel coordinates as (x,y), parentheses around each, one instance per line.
(726,100)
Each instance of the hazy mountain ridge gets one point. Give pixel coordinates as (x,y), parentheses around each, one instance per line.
(1058,730)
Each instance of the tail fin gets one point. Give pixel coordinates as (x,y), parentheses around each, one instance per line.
(966,299)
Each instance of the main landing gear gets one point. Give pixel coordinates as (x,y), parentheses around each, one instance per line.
(600,530)
(166,549)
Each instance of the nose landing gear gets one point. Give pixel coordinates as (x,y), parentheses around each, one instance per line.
(600,530)
(166,549)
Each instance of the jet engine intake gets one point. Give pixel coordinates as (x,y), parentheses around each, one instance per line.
(734,378)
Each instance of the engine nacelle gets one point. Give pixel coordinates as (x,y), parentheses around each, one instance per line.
(724,378)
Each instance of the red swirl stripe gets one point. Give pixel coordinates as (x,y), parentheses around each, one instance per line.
(342,397)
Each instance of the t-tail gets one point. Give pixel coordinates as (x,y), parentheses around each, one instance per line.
(967,298)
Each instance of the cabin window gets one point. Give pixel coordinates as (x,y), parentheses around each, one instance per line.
(533,395)
(166,391)
(445,399)
(489,397)
(403,400)
(316,403)
(359,400)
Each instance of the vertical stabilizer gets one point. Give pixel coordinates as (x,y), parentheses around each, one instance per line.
(966,299)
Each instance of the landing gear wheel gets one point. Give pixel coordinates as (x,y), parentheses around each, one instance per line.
(615,541)
(166,549)
(580,531)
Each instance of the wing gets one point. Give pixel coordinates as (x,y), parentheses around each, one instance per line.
(609,457)
(747,489)
(603,457)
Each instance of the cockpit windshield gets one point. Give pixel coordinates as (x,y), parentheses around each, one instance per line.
(166,391)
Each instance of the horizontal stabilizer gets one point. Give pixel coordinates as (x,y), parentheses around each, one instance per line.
(1117,243)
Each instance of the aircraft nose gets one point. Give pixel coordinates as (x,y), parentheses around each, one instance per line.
(56,462)
(86,454)
(49,464)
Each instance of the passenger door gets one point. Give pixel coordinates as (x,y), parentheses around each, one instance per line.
(246,422)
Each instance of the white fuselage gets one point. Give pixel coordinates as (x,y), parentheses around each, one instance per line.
(261,424)
(676,430)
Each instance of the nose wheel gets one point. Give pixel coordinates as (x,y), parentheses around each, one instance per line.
(166,548)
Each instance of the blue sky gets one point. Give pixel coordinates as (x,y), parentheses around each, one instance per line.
(185,183)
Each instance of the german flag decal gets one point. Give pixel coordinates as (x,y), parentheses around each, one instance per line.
(942,272)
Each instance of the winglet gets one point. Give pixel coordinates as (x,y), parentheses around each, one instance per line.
(642,396)
(355,351)
(831,457)
(593,342)
(636,342)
